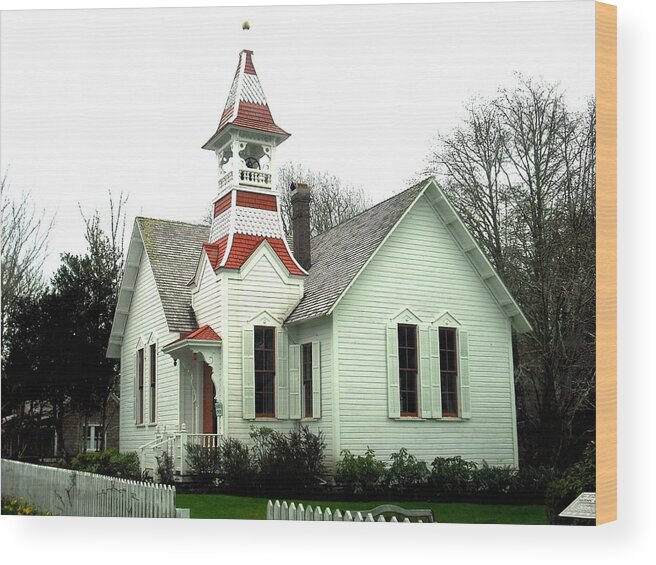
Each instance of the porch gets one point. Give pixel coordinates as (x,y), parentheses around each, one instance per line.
(174,443)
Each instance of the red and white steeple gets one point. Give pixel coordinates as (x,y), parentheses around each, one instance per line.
(246,210)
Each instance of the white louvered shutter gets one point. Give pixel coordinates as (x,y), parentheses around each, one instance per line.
(424,373)
(465,398)
(316,379)
(435,376)
(295,382)
(282,375)
(393,399)
(248,373)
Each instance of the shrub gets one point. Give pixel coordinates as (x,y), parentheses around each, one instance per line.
(21,507)
(533,481)
(292,460)
(493,480)
(204,461)
(406,472)
(580,477)
(109,462)
(361,474)
(452,475)
(236,469)
(165,469)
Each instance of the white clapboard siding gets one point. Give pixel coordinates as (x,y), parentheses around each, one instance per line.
(260,289)
(207,299)
(319,333)
(147,322)
(421,267)
(63,492)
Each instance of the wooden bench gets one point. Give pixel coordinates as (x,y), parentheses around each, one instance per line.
(425,515)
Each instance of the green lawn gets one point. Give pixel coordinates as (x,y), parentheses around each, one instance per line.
(247,508)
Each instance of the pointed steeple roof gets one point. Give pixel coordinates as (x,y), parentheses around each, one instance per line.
(246,105)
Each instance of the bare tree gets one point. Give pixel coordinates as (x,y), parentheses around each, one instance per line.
(331,201)
(25,232)
(520,171)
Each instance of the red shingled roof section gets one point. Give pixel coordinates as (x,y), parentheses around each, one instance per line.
(223,204)
(215,251)
(256,116)
(249,68)
(227,114)
(203,333)
(243,246)
(259,201)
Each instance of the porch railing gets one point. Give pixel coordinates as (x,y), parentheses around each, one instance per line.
(175,444)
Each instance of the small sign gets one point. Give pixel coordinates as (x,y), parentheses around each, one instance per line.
(218,407)
(584,506)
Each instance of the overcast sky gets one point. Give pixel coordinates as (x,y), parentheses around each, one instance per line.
(92,100)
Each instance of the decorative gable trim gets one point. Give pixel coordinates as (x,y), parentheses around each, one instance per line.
(407,316)
(264,318)
(126,292)
(446,320)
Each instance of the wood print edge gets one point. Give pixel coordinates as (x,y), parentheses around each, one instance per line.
(606,347)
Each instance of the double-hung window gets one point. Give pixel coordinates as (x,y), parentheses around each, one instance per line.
(449,371)
(265,371)
(306,384)
(427,368)
(93,437)
(140,386)
(408,370)
(153,382)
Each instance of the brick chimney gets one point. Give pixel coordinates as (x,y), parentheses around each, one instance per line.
(301,223)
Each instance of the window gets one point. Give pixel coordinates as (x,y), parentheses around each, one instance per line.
(449,371)
(140,391)
(265,371)
(93,437)
(407,335)
(306,383)
(153,382)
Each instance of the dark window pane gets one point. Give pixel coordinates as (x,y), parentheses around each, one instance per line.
(268,339)
(411,336)
(269,361)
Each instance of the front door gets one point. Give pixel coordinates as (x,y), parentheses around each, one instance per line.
(209,413)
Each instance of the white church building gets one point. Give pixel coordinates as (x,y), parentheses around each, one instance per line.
(390,330)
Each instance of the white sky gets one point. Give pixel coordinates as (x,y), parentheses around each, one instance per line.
(92,100)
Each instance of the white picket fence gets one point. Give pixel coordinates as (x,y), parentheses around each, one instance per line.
(63,492)
(284,511)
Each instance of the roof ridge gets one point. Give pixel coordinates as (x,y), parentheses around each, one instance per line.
(414,186)
(173,221)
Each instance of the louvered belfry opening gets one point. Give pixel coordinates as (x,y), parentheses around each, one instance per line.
(301,223)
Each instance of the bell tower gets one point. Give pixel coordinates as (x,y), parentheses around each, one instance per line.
(246,209)
(246,139)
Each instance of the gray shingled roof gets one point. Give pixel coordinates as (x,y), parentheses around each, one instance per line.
(173,250)
(339,254)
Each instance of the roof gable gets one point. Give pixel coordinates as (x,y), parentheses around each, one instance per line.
(341,253)
(173,250)
(337,263)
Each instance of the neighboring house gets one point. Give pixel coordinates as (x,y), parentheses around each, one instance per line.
(34,437)
(390,330)
(87,432)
